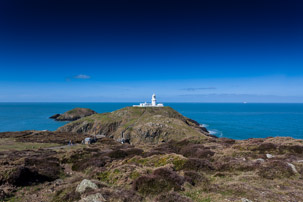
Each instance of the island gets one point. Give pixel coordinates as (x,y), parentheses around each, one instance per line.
(73,114)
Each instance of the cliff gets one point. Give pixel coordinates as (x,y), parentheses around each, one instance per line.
(138,125)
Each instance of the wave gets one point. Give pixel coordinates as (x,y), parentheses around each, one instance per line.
(216,132)
(212,131)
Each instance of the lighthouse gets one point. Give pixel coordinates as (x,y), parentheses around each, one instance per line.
(154,100)
(152,104)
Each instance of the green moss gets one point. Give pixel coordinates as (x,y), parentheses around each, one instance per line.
(103,176)
(116,171)
(13,199)
(134,175)
(179,164)
(197,196)
(138,160)
(110,177)
(67,195)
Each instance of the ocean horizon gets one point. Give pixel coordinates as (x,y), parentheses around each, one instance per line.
(231,120)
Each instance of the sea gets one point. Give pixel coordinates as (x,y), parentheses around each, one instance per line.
(231,120)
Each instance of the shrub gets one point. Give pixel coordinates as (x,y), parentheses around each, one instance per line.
(170,176)
(162,180)
(227,141)
(266,147)
(151,185)
(97,161)
(291,148)
(47,167)
(198,164)
(275,169)
(117,154)
(195,178)
(172,197)
(196,151)
(69,194)
(231,164)
(134,151)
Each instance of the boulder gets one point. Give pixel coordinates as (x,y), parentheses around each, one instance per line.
(93,198)
(84,185)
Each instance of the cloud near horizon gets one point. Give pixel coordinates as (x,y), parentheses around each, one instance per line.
(81,76)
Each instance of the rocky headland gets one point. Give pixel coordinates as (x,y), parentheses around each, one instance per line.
(168,157)
(73,114)
(138,125)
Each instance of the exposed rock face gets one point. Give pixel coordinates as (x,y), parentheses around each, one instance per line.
(73,114)
(138,125)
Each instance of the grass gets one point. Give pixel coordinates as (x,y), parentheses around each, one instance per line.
(197,196)
(8,144)
(159,160)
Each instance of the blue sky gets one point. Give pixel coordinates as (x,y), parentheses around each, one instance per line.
(185,51)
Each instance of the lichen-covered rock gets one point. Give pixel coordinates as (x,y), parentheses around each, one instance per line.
(93,198)
(86,184)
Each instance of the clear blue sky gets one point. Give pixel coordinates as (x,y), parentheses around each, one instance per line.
(184,51)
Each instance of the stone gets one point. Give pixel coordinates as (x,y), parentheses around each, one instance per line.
(269,156)
(292,167)
(85,184)
(93,198)
(259,160)
(245,200)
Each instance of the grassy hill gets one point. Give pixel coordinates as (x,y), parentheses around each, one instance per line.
(138,125)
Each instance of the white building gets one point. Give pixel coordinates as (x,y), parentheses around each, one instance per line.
(152,104)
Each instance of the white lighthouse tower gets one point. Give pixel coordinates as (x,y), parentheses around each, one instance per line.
(152,104)
(154,100)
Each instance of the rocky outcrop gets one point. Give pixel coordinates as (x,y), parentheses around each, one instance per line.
(139,125)
(73,114)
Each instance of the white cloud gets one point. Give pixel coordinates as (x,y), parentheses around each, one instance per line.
(82,76)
